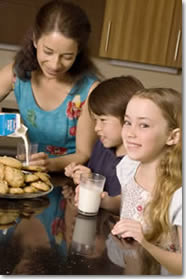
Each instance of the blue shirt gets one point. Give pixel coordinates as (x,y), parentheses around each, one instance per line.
(103,161)
(53,130)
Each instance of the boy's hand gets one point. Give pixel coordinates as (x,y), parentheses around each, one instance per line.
(70,169)
(76,197)
(67,192)
(74,171)
(77,171)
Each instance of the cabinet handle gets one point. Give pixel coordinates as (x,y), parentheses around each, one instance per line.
(108,36)
(177,45)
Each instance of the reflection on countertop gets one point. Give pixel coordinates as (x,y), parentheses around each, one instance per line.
(46,236)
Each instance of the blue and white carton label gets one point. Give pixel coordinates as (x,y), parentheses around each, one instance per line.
(9,123)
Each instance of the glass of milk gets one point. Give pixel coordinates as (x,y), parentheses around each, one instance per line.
(91,187)
(24,154)
(84,235)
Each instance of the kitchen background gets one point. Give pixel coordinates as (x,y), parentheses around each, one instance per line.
(129,37)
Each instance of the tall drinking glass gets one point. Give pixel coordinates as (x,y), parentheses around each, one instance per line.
(91,187)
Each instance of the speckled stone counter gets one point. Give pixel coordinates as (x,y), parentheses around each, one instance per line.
(47,236)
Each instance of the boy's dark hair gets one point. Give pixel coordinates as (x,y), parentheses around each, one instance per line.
(111,96)
(65,18)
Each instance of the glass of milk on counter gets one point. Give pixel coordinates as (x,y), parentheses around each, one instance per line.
(91,187)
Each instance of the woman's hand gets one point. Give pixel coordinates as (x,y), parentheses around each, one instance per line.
(129,228)
(40,159)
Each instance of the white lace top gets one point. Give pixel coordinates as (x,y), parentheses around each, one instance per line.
(134,198)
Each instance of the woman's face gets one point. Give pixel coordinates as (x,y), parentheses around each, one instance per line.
(56,54)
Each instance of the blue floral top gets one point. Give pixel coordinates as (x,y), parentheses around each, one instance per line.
(53,130)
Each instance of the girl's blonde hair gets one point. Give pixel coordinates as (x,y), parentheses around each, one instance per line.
(169,171)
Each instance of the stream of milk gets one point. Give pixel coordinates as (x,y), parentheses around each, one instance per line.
(21,132)
(11,126)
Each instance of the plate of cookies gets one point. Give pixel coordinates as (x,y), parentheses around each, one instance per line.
(21,182)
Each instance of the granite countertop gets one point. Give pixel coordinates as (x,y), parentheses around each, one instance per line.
(44,236)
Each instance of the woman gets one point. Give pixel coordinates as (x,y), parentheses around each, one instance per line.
(52,77)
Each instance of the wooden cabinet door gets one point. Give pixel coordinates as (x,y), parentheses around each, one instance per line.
(16,16)
(95,12)
(137,30)
(174,52)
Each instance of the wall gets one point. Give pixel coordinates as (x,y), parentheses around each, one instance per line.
(148,78)
(6,56)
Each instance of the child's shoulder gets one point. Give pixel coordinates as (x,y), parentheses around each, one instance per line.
(126,168)
(175,209)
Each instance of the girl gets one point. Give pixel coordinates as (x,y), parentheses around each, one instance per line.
(107,104)
(150,176)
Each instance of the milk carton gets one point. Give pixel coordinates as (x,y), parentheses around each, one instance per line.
(11,126)
(9,123)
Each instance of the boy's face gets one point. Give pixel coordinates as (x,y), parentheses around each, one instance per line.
(108,128)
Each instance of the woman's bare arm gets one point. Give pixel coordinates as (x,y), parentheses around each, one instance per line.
(6,80)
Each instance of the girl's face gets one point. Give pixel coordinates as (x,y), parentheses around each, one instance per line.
(55,54)
(145,130)
(109,128)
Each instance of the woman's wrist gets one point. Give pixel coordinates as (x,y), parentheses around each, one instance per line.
(51,165)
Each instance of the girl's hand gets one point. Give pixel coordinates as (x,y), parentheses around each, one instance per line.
(40,159)
(129,228)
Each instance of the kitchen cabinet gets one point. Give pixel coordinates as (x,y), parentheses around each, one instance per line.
(174,52)
(144,31)
(95,11)
(16,16)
